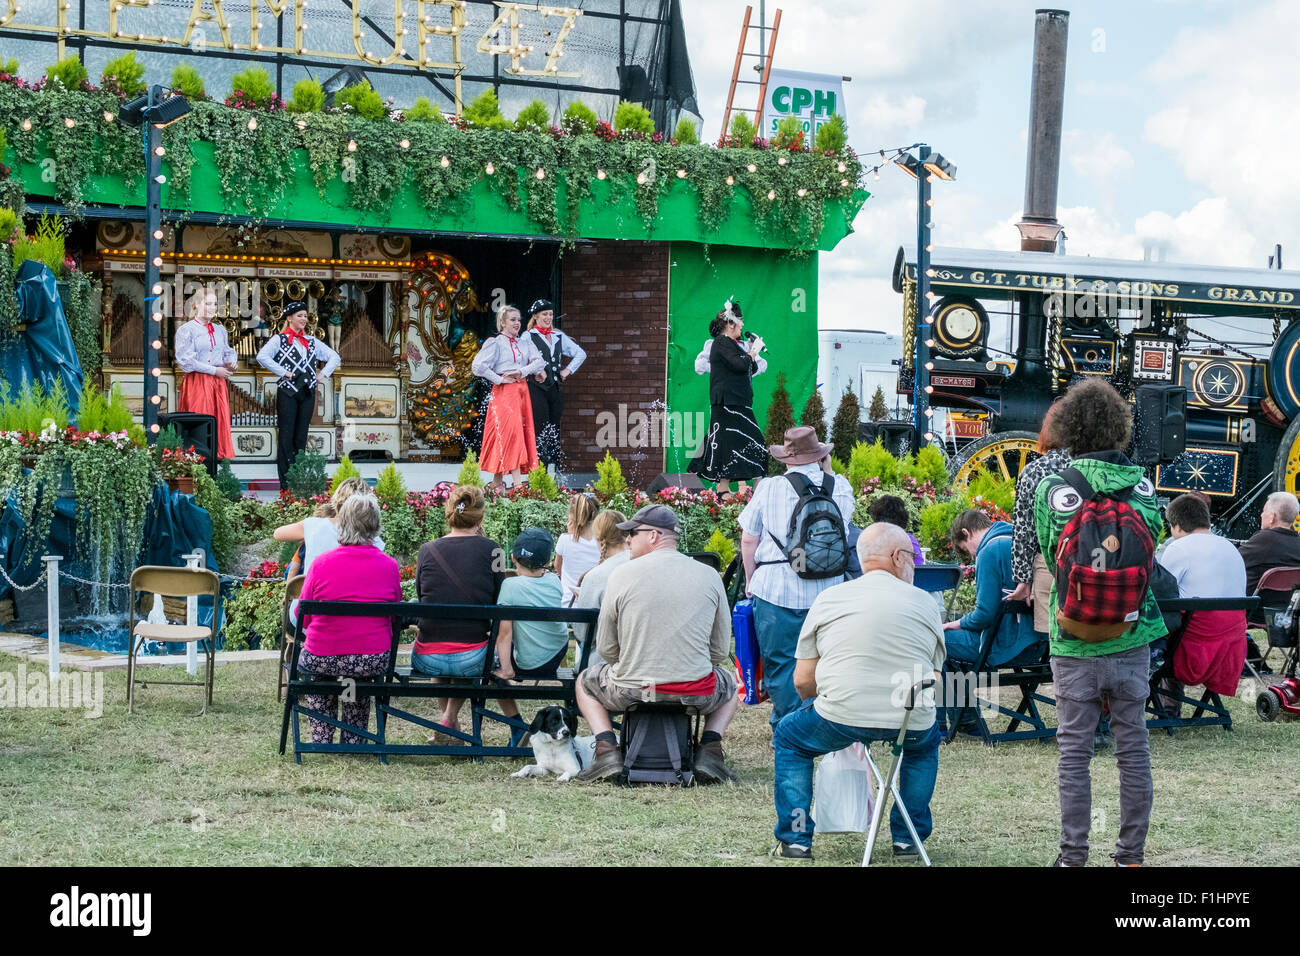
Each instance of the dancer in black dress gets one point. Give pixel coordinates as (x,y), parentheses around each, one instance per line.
(733,448)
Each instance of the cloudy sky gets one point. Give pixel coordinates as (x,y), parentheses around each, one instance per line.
(1181,125)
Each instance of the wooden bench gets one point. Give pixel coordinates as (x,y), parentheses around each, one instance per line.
(400,683)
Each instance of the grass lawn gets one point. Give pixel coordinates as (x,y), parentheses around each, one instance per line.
(166,787)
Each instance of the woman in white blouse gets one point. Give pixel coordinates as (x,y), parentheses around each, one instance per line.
(204,354)
(506,360)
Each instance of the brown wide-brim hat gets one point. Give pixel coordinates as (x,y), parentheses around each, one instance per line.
(801,447)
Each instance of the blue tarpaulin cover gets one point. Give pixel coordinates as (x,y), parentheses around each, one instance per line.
(44,353)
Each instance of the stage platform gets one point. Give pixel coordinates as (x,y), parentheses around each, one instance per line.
(261,480)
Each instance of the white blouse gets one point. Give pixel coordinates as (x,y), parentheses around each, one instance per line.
(702,361)
(501,354)
(266,356)
(200,347)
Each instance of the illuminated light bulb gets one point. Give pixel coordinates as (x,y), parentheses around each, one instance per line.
(931,273)
(640,179)
(931,178)
(157,233)
(929,248)
(157,316)
(929,343)
(490,169)
(252,123)
(69,122)
(157,400)
(929,413)
(681,174)
(405,144)
(731,180)
(801,192)
(876,175)
(157,289)
(842,168)
(156,343)
(929,366)
(444,162)
(929,390)
(541,173)
(780,161)
(153,428)
(160,151)
(108,116)
(929,202)
(929,436)
(929,320)
(259,46)
(155,372)
(352,146)
(844,184)
(27,125)
(157,261)
(752,168)
(600,174)
(160,179)
(771,194)
(302,124)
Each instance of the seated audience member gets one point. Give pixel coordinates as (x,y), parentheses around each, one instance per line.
(319,533)
(612,542)
(857,638)
(461,567)
(665,633)
(892,510)
(1028,567)
(355,570)
(1275,544)
(988,543)
(1212,650)
(577,551)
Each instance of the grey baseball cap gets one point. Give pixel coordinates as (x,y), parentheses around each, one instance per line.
(655,516)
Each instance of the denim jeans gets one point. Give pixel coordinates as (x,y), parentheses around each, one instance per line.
(1081,684)
(805,734)
(467,663)
(777,629)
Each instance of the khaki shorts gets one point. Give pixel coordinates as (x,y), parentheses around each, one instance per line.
(1042,588)
(615,698)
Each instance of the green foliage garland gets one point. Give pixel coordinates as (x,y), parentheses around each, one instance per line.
(81,305)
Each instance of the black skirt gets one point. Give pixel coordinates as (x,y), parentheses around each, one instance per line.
(733,448)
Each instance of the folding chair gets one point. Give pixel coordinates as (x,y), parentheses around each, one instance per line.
(292,590)
(1275,587)
(173,582)
(894,771)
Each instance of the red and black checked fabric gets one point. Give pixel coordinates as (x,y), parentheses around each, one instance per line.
(1103,564)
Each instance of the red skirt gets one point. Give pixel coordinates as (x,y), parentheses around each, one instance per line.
(206,394)
(508,440)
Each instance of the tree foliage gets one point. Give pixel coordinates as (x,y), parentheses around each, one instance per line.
(844,429)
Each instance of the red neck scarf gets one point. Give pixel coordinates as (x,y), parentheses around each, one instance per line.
(296,335)
(212,332)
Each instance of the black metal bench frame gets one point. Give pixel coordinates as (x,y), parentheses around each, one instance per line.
(401,683)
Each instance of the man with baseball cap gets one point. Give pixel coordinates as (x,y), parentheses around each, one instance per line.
(544,388)
(781,597)
(293,356)
(664,634)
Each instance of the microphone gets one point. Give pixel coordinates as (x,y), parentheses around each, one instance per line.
(750,336)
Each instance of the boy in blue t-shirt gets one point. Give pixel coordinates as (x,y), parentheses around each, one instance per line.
(531,650)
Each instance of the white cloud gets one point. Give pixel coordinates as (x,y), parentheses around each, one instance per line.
(1096,156)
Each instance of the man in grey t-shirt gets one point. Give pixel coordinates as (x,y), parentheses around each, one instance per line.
(863,646)
(664,634)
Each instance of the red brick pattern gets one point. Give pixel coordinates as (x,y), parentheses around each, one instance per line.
(615,304)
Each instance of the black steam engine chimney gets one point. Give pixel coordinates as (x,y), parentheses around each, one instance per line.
(1039,230)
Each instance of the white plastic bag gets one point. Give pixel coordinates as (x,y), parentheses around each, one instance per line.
(844,791)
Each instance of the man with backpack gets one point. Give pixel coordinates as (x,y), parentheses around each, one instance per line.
(795,546)
(1097,523)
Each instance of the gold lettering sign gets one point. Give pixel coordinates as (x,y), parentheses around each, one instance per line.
(198,15)
(398,34)
(277,8)
(115,34)
(517,51)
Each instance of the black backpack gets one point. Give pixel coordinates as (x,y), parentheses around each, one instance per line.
(817,545)
(657,747)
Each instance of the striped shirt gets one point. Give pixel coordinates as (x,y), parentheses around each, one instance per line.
(770,510)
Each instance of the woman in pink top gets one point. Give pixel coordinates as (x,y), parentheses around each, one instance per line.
(348,646)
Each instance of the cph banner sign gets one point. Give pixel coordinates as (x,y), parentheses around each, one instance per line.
(813,97)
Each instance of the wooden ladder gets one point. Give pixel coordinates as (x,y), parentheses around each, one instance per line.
(745,31)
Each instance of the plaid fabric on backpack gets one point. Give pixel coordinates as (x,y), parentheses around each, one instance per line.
(1104,558)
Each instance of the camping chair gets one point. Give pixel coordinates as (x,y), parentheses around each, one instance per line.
(894,771)
(173,582)
(292,590)
(1275,588)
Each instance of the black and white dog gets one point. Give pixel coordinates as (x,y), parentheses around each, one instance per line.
(556,746)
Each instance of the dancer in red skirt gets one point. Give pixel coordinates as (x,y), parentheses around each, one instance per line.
(204,354)
(506,360)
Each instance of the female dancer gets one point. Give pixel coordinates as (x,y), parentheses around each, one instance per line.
(506,360)
(734,447)
(204,354)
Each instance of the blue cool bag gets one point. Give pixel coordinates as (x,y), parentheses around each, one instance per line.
(749,662)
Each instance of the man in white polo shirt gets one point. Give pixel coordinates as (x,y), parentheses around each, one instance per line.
(864,644)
